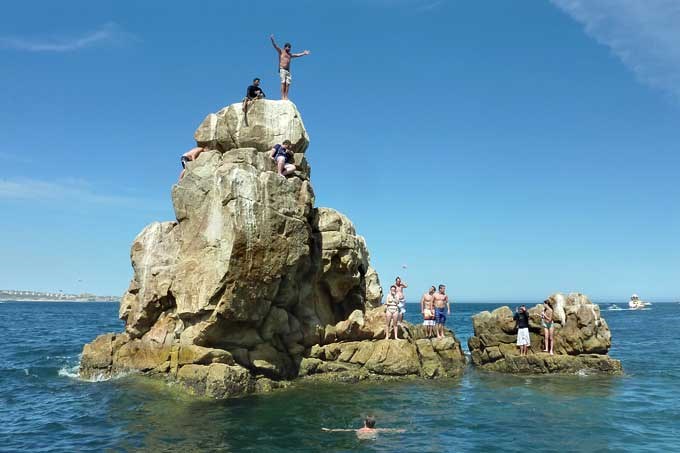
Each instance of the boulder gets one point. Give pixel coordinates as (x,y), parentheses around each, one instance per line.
(251,279)
(582,340)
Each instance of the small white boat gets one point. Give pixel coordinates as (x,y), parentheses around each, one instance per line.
(635,303)
(615,307)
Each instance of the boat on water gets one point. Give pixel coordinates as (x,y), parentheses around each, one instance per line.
(636,303)
(615,307)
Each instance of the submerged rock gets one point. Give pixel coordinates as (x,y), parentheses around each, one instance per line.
(251,280)
(582,340)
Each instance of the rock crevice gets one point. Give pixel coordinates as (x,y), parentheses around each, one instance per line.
(236,295)
(582,340)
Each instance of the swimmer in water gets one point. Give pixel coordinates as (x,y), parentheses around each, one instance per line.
(368,430)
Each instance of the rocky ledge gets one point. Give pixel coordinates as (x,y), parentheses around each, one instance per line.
(582,340)
(252,286)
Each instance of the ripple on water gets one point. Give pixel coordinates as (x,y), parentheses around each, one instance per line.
(45,407)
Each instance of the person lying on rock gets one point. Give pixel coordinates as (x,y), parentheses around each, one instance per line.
(368,431)
(427,309)
(521,317)
(284,65)
(441,302)
(283,156)
(253,93)
(392,312)
(190,155)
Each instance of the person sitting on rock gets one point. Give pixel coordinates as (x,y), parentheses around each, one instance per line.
(427,309)
(522,318)
(441,302)
(190,155)
(368,431)
(253,93)
(548,327)
(283,156)
(392,313)
(284,65)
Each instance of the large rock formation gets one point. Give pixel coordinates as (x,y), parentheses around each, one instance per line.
(582,340)
(252,285)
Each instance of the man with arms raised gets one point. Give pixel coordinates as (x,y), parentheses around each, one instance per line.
(284,65)
(441,303)
(427,309)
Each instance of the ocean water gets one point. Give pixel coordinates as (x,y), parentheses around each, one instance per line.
(45,407)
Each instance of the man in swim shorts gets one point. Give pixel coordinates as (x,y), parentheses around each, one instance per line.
(427,309)
(400,295)
(522,318)
(189,156)
(441,303)
(283,156)
(284,65)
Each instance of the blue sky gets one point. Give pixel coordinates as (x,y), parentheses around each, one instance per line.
(507,149)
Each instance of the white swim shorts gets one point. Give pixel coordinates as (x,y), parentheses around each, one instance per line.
(285,76)
(428,322)
(523,337)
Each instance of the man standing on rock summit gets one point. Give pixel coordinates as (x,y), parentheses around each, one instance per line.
(284,65)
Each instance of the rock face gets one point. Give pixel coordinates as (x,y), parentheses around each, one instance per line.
(252,281)
(582,340)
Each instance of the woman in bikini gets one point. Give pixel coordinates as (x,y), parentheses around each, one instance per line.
(548,327)
(392,312)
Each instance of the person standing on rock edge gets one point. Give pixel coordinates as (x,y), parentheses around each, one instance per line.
(284,65)
(427,309)
(392,313)
(522,318)
(548,327)
(441,301)
(400,295)
(189,156)
(283,156)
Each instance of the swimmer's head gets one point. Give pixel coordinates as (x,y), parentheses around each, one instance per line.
(369,422)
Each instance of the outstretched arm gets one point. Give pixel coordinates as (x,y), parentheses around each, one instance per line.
(422,304)
(301,54)
(273,151)
(278,49)
(390,430)
(337,430)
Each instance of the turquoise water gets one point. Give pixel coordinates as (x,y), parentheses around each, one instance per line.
(44,407)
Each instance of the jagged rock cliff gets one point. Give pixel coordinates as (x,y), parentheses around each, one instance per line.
(582,340)
(252,281)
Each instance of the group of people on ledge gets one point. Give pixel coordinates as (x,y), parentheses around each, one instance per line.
(521,317)
(434,306)
(282,153)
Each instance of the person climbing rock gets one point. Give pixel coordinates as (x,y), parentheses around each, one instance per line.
(190,155)
(283,156)
(284,65)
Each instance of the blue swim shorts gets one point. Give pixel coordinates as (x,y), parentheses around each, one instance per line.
(440,316)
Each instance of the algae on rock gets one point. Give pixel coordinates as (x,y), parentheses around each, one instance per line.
(582,340)
(234,295)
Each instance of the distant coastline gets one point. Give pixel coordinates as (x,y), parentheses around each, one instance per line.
(12,295)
